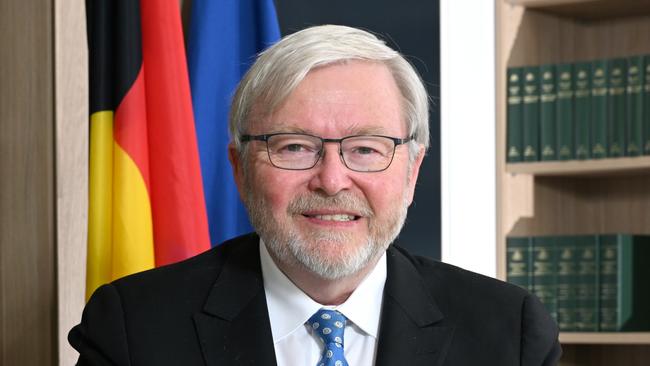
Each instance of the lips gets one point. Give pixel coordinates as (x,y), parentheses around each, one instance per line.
(345,207)
(333,217)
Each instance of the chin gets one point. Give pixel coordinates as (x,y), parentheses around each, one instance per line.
(333,259)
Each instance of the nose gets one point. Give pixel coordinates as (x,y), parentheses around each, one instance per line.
(331,176)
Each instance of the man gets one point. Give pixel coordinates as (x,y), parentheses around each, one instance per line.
(329,128)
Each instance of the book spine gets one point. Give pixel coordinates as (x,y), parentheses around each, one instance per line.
(531,114)
(582,77)
(616,108)
(544,273)
(514,151)
(608,292)
(646,106)
(566,283)
(586,283)
(518,261)
(565,125)
(634,101)
(547,110)
(599,76)
(633,292)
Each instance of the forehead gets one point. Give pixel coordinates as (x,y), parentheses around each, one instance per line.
(341,99)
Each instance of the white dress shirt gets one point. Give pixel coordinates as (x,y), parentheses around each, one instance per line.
(290,308)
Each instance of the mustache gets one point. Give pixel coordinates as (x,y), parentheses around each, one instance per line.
(344,201)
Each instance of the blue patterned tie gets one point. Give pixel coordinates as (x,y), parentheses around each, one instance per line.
(329,325)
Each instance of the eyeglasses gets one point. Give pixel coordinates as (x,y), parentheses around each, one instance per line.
(299,151)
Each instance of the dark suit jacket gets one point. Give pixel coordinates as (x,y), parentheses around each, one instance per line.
(211,310)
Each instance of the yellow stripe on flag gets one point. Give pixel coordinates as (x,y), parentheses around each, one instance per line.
(100,208)
(120,233)
(133,249)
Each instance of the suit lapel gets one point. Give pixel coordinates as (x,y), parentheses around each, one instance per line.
(412,328)
(234,327)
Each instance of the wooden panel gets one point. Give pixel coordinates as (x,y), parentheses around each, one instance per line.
(589,9)
(575,205)
(514,193)
(605,338)
(619,166)
(543,38)
(71,100)
(27,268)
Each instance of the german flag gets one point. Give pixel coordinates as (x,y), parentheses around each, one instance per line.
(146,204)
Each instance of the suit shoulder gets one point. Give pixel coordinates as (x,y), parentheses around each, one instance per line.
(193,273)
(487,314)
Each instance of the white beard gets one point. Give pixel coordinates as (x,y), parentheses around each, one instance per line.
(328,254)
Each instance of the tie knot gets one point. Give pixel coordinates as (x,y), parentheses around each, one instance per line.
(329,325)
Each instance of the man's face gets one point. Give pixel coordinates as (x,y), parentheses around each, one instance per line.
(330,220)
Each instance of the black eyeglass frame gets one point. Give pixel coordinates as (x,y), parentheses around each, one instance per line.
(396,141)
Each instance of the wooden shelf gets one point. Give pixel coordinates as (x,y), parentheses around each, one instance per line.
(617,166)
(572,197)
(588,9)
(629,338)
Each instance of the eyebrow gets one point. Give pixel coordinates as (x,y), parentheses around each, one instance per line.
(351,130)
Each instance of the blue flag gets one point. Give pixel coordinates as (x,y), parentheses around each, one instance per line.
(224,38)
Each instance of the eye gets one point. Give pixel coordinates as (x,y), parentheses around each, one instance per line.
(294,148)
(364,150)
(293,145)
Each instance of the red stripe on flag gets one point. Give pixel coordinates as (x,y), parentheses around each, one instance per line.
(179,216)
(130,130)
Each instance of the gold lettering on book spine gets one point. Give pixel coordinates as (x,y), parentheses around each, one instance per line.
(529,152)
(514,100)
(599,88)
(582,85)
(564,86)
(616,82)
(599,149)
(548,151)
(517,264)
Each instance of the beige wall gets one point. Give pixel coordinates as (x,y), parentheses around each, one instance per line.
(43,159)
(71,173)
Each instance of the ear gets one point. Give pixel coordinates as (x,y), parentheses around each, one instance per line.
(237,168)
(413,174)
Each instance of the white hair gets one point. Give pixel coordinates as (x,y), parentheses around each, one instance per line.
(278,71)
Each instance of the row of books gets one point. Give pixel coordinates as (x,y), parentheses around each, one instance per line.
(584,110)
(588,283)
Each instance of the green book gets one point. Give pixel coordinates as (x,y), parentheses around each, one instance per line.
(646,107)
(518,261)
(599,78)
(582,77)
(616,108)
(564,119)
(544,272)
(531,114)
(586,285)
(547,113)
(624,289)
(514,123)
(634,104)
(566,283)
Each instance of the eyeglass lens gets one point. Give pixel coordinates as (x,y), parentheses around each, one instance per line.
(360,153)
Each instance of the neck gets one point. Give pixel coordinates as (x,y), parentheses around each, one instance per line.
(322,290)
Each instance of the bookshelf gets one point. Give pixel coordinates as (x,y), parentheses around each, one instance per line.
(593,167)
(572,197)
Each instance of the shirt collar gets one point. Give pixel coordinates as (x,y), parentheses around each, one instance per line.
(289,307)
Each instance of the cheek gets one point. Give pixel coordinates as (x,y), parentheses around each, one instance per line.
(384,192)
(276,187)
